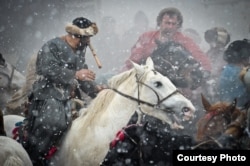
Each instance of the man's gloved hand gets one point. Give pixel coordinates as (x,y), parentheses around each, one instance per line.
(85,75)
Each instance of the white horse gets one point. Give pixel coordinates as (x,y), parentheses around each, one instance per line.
(141,88)
(11,153)
(10,122)
(11,80)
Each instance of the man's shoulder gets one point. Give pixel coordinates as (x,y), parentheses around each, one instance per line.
(180,35)
(56,40)
(55,43)
(151,32)
(149,35)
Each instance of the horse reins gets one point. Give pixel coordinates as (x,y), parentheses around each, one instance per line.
(142,101)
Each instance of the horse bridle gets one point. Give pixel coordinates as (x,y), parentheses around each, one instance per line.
(10,78)
(139,101)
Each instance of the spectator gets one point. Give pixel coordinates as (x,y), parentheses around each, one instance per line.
(140,25)
(193,34)
(217,38)
(108,45)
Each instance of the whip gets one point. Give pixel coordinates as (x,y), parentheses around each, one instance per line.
(95,56)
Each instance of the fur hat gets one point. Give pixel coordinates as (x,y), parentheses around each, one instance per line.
(82,27)
(217,36)
(237,51)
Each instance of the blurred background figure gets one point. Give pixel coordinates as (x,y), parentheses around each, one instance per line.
(193,34)
(140,25)
(217,38)
(107,44)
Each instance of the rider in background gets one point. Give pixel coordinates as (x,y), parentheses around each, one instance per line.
(231,86)
(169,21)
(60,62)
(130,36)
(111,46)
(217,38)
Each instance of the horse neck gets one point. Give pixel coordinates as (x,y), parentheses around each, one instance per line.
(112,105)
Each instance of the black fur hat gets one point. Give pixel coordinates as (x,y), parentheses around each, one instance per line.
(82,27)
(237,51)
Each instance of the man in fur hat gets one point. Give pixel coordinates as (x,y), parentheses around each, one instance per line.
(217,38)
(60,67)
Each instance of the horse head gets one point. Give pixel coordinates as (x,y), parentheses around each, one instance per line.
(157,96)
(174,61)
(220,118)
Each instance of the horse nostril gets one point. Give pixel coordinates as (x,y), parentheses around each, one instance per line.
(185,109)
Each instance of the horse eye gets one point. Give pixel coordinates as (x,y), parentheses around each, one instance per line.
(185,109)
(158,84)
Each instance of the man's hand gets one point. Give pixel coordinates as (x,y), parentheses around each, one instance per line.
(85,75)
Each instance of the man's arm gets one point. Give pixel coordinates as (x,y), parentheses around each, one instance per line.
(142,49)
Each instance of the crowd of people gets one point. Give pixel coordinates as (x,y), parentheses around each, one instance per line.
(61,71)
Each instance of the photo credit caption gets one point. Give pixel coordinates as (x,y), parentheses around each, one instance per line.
(211,157)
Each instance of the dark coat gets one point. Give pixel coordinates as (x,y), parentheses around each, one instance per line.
(56,66)
(49,115)
(171,59)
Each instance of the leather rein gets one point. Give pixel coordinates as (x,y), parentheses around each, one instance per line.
(139,101)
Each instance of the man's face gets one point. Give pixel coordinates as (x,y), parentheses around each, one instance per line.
(169,25)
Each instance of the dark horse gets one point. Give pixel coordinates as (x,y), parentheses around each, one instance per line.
(150,142)
(174,61)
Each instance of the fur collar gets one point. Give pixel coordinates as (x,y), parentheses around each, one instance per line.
(75,30)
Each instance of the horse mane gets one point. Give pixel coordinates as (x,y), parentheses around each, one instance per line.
(104,98)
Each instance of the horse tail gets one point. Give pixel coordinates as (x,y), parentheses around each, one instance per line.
(2,131)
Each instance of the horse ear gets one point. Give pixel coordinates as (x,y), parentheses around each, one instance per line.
(150,63)
(139,69)
(205,103)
